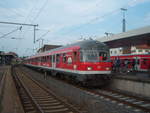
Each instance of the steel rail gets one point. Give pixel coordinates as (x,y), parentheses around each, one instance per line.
(2,82)
(35,104)
(50,92)
(122,101)
(128,103)
(26,80)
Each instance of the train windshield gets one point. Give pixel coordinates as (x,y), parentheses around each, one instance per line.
(93,56)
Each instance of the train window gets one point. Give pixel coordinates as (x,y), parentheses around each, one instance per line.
(50,58)
(43,59)
(69,60)
(75,56)
(53,58)
(144,61)
(146,50)
(64,58)
(40,59)
(89,56)
(103,56)
(140,50)
(57,58)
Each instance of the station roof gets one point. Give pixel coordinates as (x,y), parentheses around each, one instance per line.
(131,33)
(131,37)
(9,54)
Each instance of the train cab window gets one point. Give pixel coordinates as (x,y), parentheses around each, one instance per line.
(89,56)
(103,56)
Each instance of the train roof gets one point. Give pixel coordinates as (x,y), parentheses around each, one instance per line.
(84,45)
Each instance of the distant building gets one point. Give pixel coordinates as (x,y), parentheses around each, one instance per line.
(47,48)
(7,58)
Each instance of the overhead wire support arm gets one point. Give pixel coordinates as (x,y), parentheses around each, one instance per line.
(19,24)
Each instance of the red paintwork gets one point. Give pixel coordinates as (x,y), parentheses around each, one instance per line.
(144,60)
(82,66)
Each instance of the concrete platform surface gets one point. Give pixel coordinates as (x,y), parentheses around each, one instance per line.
(10,101)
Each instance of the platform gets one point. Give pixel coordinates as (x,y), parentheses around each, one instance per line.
(10,99)
(134,82)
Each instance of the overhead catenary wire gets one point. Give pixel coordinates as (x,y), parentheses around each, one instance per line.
(30,11)
(11,10)
(40,10)
(11,32)
(43,35)
(99,17)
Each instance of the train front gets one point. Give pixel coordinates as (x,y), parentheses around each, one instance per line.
(95,65)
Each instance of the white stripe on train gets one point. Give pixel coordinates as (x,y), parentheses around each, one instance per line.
(72,71)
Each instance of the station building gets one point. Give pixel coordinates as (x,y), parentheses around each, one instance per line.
(47,48)
(135,41)
(7,58)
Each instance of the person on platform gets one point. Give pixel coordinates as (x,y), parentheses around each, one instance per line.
(118,62)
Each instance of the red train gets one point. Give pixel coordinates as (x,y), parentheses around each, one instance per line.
(138,62)
(86,62)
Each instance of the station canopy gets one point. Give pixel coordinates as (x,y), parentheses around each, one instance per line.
(130,38)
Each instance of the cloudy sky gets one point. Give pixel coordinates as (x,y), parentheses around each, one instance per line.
(66,21)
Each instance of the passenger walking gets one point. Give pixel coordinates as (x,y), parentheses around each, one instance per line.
(136,64)
(114,65)
(118,64)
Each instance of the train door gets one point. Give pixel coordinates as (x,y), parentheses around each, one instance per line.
(53,61)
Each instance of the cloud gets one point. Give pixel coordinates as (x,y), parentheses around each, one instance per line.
(147,19)
(133,3)
(60,15)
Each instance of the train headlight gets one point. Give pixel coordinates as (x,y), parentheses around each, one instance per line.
(89,68)
(107,68)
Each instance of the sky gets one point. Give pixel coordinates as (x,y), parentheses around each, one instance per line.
(62,22)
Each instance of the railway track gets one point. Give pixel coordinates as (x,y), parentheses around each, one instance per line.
(137,103)
(38,99)
(2,81)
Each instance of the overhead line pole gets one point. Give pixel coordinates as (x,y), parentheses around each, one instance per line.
(34,26)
